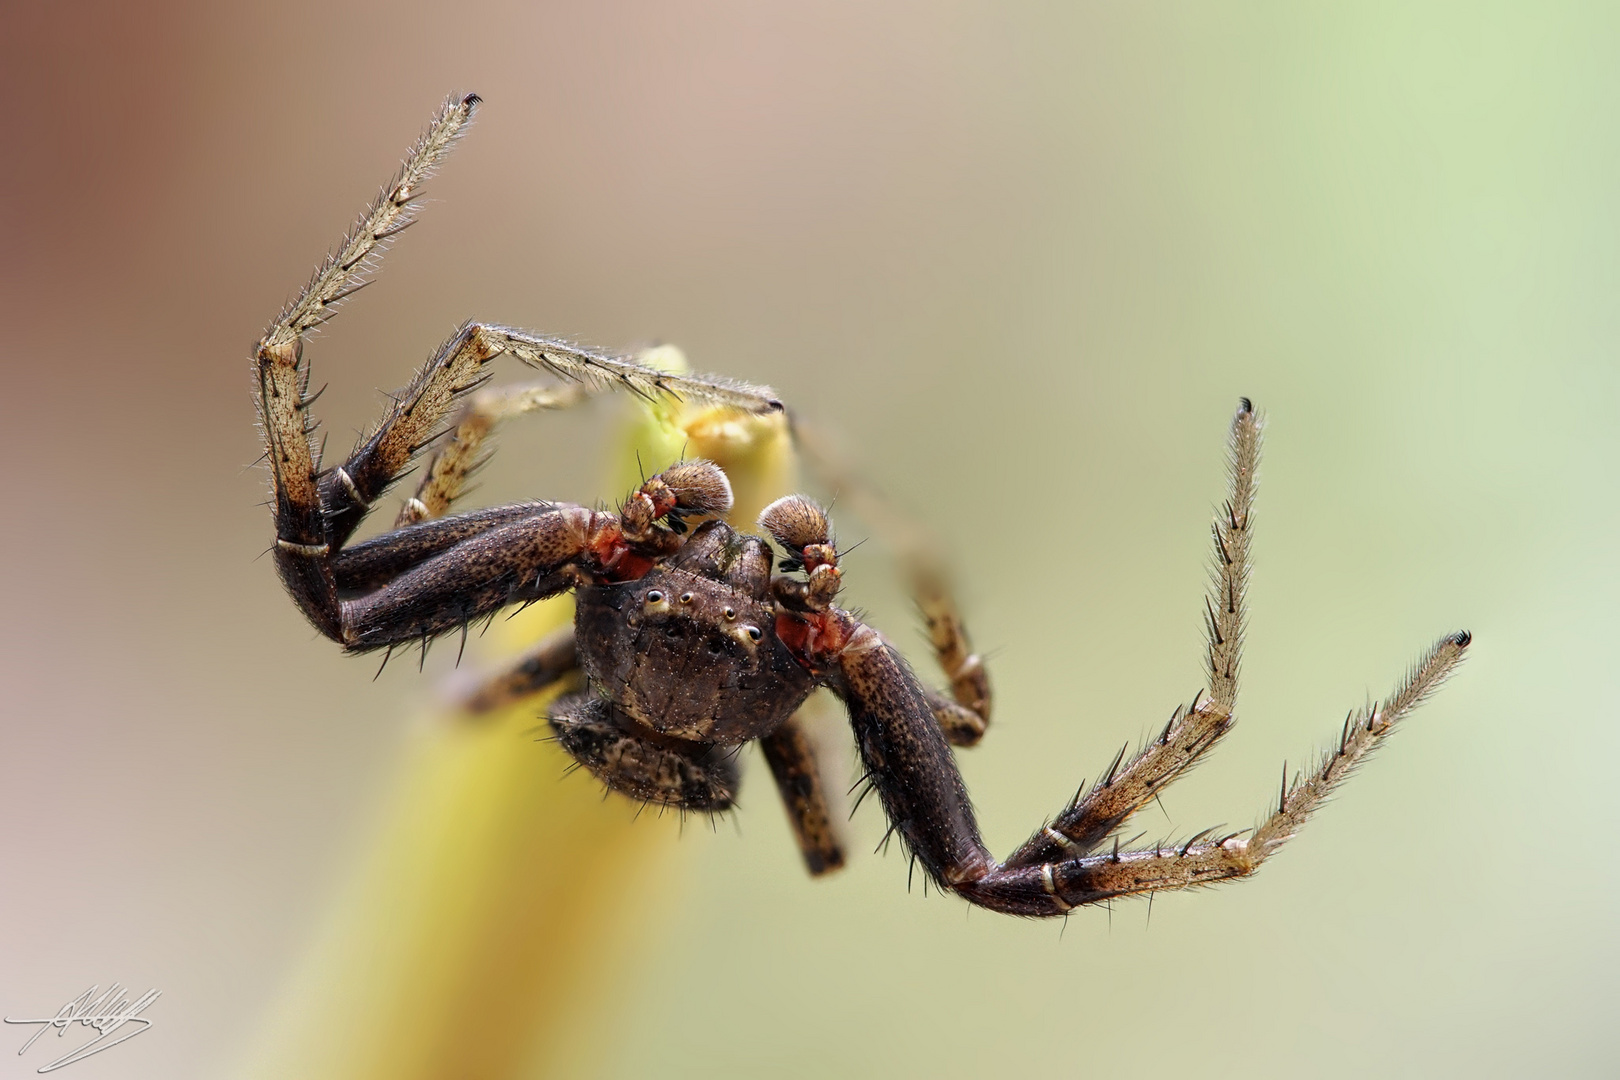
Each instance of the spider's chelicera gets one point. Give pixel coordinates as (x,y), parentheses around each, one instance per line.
(693,639)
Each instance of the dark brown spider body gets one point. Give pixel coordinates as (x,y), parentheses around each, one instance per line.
(690,646)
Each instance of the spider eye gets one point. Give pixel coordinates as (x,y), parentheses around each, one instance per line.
(655,597)
(686,598)
(753,633)
(730,613)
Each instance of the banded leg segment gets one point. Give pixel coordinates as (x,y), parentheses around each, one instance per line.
(965,717)
(302,531)
(1055,887)
(1195,729)
(908,760)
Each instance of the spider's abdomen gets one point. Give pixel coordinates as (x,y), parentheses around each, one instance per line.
(689,656)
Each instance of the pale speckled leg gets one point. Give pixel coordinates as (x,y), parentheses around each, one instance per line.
(466,447)
(965,714)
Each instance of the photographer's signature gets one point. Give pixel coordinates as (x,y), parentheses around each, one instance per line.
(106,1014)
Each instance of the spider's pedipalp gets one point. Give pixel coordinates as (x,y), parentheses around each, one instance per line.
(685,489)
(698,487)
(796,523)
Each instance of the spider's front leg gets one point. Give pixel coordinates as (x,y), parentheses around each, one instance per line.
(911,767)
(927,803)
(309,525)
(424,580)
(421,581)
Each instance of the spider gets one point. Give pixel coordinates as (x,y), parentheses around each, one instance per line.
(693,638)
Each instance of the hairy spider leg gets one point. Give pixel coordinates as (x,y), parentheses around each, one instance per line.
(1054,887)
(1193,729)
(795,766)
(419,587)
(467,446)
(550,660)
(303,535)
(965,714)
(911,766)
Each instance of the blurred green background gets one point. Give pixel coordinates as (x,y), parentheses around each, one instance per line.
(1024,258)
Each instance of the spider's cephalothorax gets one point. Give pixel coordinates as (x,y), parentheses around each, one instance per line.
(689,644)
(690,649)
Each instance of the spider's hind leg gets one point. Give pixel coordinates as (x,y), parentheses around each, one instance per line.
(549,661)
(791,754)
